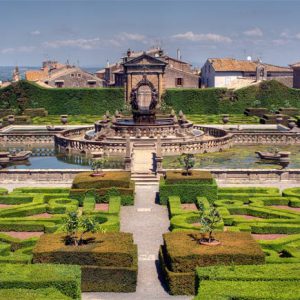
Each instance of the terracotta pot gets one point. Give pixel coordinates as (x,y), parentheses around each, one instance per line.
(11,119)
(64,119)
(279,119)
(225,119)
(291,123)
(211,244)
(98,174)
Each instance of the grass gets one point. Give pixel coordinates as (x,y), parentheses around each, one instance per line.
(217,119)
(196,118)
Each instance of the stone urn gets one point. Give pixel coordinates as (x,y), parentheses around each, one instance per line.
(291,123)
(11,119)
(279,118)
(225,119)
(64,119)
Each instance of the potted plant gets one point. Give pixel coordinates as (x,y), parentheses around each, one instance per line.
(76,227)
(187,160)
(97,167)
(209,220)
(64,119)
(225,118)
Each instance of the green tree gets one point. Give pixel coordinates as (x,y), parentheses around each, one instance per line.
(187,161)
(209,220)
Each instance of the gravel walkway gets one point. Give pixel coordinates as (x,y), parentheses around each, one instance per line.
(147,221)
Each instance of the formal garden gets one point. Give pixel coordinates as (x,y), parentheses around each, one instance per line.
(93,234)
(224,243)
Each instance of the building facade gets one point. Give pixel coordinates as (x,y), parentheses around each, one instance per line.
(296,75)
(176,73)
(233,73)
(56,75)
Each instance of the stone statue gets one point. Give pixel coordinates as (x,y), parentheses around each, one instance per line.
(133,102)
(154,96)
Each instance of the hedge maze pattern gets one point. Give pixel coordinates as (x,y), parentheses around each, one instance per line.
(272,218)
(42,210)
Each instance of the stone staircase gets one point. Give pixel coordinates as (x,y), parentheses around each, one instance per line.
(143,169)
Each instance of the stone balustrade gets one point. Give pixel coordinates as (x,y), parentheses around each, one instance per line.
(234,176)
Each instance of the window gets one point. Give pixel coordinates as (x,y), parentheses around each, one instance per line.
(72,75)
(179,81)
(78,75)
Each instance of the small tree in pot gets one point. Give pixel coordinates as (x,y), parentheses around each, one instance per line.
(187,161)
(97,167)
(76,226)
(209,220)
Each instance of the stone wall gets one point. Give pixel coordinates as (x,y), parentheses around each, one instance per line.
(234,176)
(296,81)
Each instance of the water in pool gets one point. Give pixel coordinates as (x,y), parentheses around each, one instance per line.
(238,157)
(47,158)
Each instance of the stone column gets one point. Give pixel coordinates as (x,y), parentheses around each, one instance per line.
(158,157)
(127,159)
(159,87)
(129,86)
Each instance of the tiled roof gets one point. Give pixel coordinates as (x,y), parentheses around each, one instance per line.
(34,75)
(296,65)
(231,64)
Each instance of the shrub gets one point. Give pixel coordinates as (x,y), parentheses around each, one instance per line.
(246,290)
(70,101)
(65,279)
(3,191)
(188,192)
(110,179)
(41,190)
(176,177)
(108,261)
(291,192)
(103,195)
(61,206)
(184,253)
(37,294)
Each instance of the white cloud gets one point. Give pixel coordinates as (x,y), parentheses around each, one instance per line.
(206,37)
(132,36)
(86,44)
(21,49)
(254,32)
(95,43)
(280,42)
(297,36)
(35,32)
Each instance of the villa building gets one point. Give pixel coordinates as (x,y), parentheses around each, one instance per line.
(296,75)
(54,74)
(175,74)
(233,73)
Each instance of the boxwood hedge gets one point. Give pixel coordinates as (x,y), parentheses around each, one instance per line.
(65,279)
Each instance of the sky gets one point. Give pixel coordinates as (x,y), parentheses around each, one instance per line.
(89,33)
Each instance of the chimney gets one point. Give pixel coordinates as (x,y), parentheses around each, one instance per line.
(129,52)
(178,54)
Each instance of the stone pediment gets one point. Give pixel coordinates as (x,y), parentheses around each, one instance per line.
(145,59)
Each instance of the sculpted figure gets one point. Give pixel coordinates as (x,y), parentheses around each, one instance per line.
(154,96)
(133,101)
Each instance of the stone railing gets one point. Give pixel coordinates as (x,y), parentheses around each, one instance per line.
(43,175)
(234,176)
(27,138)
(266,138)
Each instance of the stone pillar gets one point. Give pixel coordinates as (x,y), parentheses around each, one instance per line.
(158,157)
(127,159)
(159,87)
(129,87)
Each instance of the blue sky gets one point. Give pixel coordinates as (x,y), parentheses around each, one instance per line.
(90,32)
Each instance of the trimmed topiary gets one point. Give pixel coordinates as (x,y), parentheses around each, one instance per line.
(108,261)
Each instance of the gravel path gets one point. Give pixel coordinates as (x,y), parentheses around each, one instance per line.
(147,221)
